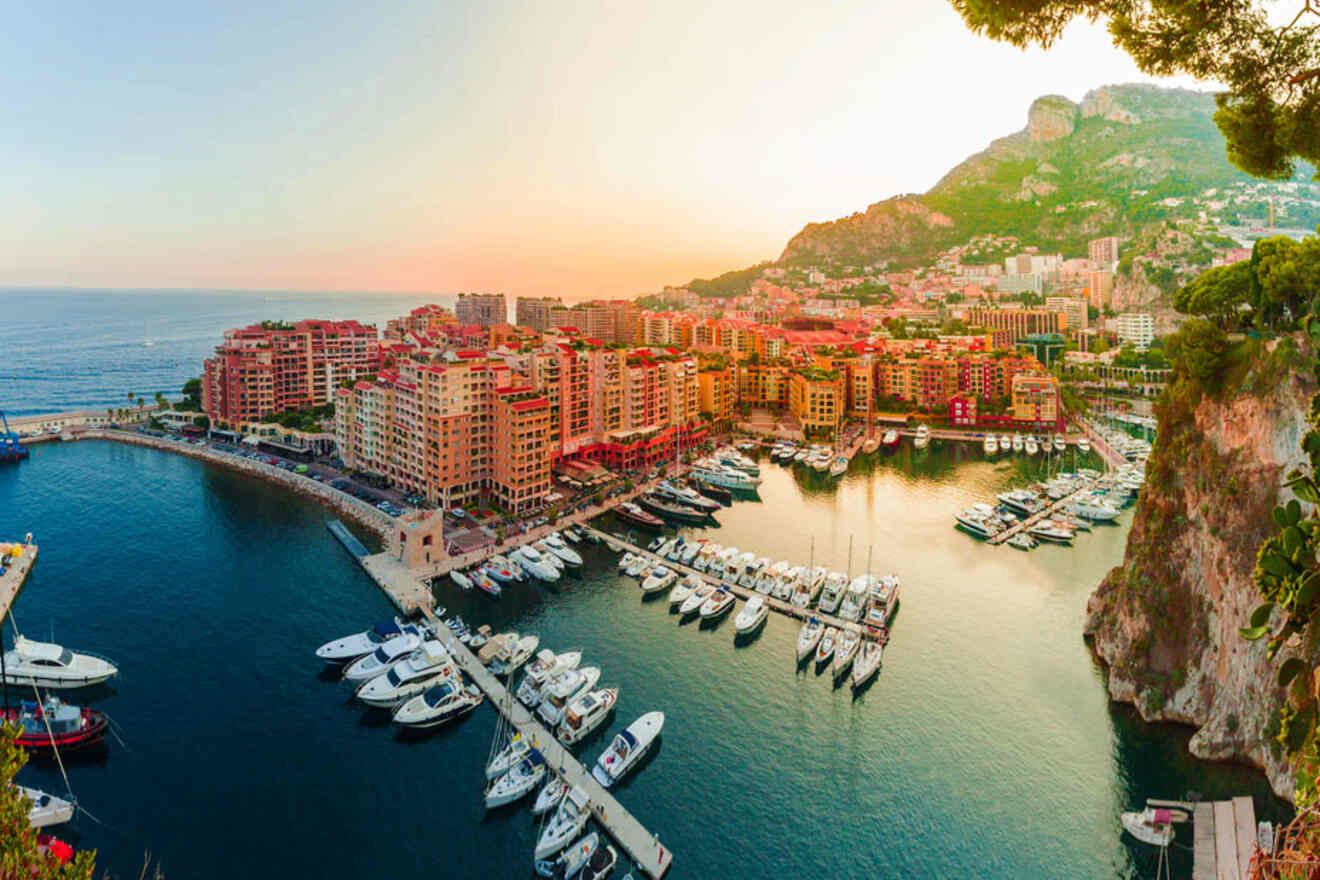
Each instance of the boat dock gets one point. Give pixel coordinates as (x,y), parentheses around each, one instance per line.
(642,846)
(786,608)
(15,574)
(1045,513)
(1224,837)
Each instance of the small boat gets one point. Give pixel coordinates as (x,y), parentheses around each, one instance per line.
(661,578)
(690,551)
(890,439)
(54,667)
(844,652)
(572,860)
(692,604)
(629,746)
(379,661)
(461,579)
(508,757)
(439,704)
(870,444)
(679,594)
(632,513)
(922,440)
(673,510)
(1005,443)
(570,818)
(572,684)
(70,727)
(502,571)
(585,714)
(640,564)
(354,646)
(1059,445)
(809,637)
(626,560)
(1083,444)
(1022,541)
(752,616)
(548,664)
(990,445)
(600,865)
(1032,446)
(45,809)
(540,547)
(1017,442)
(550,795)
(406,680)
(868,660)
(1151,825)
(518,782)
(508,659)
(494,645)
(486,583)
(839,466)
(825,649)
(716,605)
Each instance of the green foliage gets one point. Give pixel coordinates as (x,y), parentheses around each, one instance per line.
(1221,294)
(1270,113)
(735,283)
(19,856)
(302,420)
(1197,351)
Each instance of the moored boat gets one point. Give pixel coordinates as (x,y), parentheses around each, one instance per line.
(869,655)
(572,684)
(752,616)
(439,704)
(45,809)
(844,652)
(569,819)
(922,439)
(351,647)
(716,605)
(628,748)
(518,782)
(550,795)
(585,714)
(692,604)
(55,724)
(825,649)
(396,650)
(405,680)
(1151,825)
(890,438)
(630,512)
(54,667)
(809,637)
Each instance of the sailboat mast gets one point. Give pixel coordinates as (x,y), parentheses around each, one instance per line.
(850,540)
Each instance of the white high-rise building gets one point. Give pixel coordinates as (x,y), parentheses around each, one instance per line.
(1136,329)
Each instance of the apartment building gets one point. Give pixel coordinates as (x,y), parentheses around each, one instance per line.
(535,311)
(763,384)
(717,393)
(815,398)
(274,367)
(1017,322)
(1103,251)
(427,320)
(1073,309)
(1036,400)
(520,461)
(1136,329)
(482,308)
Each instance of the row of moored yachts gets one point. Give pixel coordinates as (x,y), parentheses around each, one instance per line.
(1074,502)
(1029,444)
(545,559)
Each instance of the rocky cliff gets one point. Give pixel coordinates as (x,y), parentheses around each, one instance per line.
(1165,622)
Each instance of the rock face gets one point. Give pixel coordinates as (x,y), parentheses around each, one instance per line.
(892,225)
(1104,103)
(1050,118)
(1165,621)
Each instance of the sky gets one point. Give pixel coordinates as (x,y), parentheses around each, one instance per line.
(577,149)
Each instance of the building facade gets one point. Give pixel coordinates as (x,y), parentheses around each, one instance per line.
(1136,329)
(482,308)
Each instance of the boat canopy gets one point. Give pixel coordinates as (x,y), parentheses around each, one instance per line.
(386,628)
(627,737)
(1163,816)
(42,651)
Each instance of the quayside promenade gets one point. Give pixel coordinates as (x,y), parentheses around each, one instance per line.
(16,572)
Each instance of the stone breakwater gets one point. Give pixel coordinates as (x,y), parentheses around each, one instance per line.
(346,506)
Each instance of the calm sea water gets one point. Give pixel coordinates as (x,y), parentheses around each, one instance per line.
(986,747)
(75,349)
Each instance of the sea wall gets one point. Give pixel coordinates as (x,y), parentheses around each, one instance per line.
(1165,622)
(347,506)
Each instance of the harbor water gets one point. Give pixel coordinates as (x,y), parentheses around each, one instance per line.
(985,748)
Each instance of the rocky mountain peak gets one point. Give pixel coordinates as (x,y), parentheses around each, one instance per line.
(1051,117)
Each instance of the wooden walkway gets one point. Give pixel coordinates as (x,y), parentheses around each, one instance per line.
(786,608)
(1224,839)
(643,847)
(14,577)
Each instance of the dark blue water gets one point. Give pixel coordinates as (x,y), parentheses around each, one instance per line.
(986,748)
(75,349)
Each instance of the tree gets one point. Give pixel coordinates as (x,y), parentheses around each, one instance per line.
(1218,294)
(1270,113)
(1197,350)
(19,853)
(1286,275)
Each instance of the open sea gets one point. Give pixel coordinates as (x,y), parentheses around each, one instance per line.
(985,748)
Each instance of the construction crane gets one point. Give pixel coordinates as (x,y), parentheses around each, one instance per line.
(10,447)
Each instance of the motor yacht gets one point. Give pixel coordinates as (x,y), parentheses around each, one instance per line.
(54,667)
(541,548)
(486,583)
(768,578)
(570,817)
(601,864)
(825,650)
(832,593)
(685,495)
(379,661)
(1005,443)
(692,604)
(809,637)
(442,702)
(535,564)
(737,565)
(706,555)
(751,617)
(839,466)
(547,665)
(461,579)
(572,860)
(977,524)
(1059,445)
(690,551)
(631,513)
(1083,444)
(673,510)
(626,560)
(563,690)
(715,493)
(890,439)
(354,646)
(45,809)
(628,748)
(1093,509)
(844,652)
(566,554)
(716,605)
(514,654)
(854,599)
(1021,541)
(788,583)
(870,444)
(990,445)
(502,573)
(405,680)
(640,564)
(922,439)
(679,594)
(53,724)
(1032,446)
(585,714)
(1048,530)
(660,578)
(821,462)
(720,475)
(1023,502)
(518,782)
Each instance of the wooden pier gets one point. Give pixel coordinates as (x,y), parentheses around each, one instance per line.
(786,608)
(15,575)
(642,846)
(1223,838)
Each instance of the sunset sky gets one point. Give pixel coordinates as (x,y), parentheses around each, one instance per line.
(575,149)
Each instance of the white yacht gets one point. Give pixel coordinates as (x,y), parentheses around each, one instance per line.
(1032,446)
(546,556)
(639,564)
(751,617)
(1083,444)
(550,795)
(844,652)
(976,524)
(770,577)
(678,595)
(628,748)
(695,600)
(990,445)
(717,604)
(832,593)
(867,661)
(660,578)
(572,862)
(461,579)
(854,600)
(516,783)
(809,637)
(547,665)
(789,582)
(828,640)
(566,554)
(45,809)
(536,565)
(396,650)
(839,466)
(508,757)
(706,555)
(514,654)
(626,560)
(719,475)
(1005,443)
(690,551)
(1089,507)
(890,438)
(54,667)
(439,704)
(354,646)
(585,714)
(922,440)
(1048,530)
(1059,445)
(405,680)
(572,684)
(570,818)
